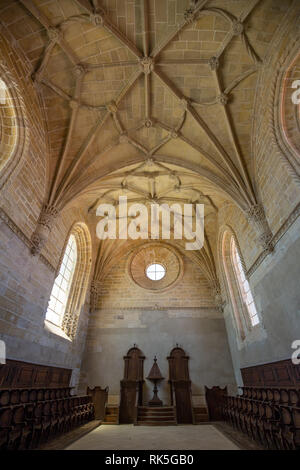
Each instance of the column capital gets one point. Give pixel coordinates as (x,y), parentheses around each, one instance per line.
(44,226)
(257,218)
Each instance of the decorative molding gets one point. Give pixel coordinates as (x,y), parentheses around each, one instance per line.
(149,253)
(156,307)
(18,232)
(279,234)
(257,217)
(94,294)
(44,226)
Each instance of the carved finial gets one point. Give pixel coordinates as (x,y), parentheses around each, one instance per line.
(222,98)
(237,27)
(73,104)
(184,102)
(124,186)
(123,138)
(98,17)
(213,63)
(112,107)
(148,123)
(150,161)
(189,14)
(37,76)
(173,134)
(79,70)
(147,65)
(54,34)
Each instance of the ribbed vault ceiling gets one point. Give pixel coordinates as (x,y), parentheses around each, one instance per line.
(152,98)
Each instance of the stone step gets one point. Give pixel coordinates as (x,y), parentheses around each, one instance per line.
(156,423)
(202,419)
(158,415)
(109,410)
(150,412)
(111,419)
(158,409)
(156,418)
(200,409)
(111,415)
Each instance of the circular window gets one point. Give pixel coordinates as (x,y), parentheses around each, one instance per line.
(147,272)
(155,272)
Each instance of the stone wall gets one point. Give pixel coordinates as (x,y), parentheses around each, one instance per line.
(275,288)
(25,287)
(118,290)
(183,314)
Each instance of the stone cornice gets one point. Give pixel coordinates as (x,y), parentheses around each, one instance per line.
(156,307)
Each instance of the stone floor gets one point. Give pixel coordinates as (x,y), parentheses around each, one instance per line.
(128,437)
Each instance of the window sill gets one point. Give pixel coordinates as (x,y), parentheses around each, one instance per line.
(256,333)
(56,330)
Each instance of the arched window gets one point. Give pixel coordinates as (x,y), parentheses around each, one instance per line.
(244,286)
(8,125)
(62,284)
(70,286)
(245,313)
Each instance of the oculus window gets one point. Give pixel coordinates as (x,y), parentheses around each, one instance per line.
(155,272)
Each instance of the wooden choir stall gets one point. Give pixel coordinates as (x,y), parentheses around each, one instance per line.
(132,386)
(180,385)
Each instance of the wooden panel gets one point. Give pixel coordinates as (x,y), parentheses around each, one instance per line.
(180,385)
(99,398)
(128,401)
(18,374)
(178,365)
(131,385)
(5,373)
(134,364)
(41,377)
(25,376)
(215,401)
(274,374)
(183,402)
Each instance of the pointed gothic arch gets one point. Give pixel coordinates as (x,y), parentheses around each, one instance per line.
(78,240)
